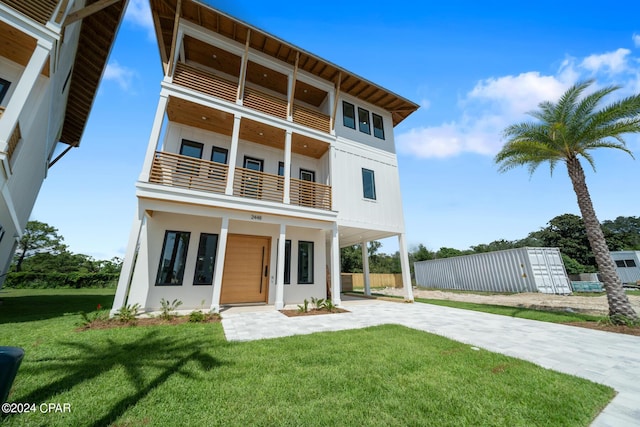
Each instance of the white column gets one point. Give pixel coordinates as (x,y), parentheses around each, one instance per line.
(280,275)
(154,138)
(287,168)
(335,266)
(21,93)
(233,154)
(404,264)
(126,273)
(219,269)
(365,268)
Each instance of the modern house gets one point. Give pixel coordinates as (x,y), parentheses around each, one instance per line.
(263,160)
(52,56)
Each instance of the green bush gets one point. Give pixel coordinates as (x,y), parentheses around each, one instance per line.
(33,280)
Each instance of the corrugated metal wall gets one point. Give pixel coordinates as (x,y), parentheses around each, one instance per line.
(514,270)
(628,274)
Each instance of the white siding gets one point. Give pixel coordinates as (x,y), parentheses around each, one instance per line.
(342,131)
(383,213)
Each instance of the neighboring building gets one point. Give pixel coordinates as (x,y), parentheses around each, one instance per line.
(627,266)
(263,161)
(52,56)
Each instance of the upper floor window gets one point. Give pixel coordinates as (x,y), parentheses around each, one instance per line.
(348,115)
(191,149)
(378,126)
(173,258)
(4,87)
(219,155)
(363,121)
(368,184)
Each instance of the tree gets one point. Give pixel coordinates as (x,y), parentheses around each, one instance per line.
(565,131)
(38,237)
(626,230)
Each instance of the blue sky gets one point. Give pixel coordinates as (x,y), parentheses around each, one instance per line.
(474,67)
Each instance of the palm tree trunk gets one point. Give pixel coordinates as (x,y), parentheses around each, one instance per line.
(619,305)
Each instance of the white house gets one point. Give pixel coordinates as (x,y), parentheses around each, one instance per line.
(52,55)
(262,162)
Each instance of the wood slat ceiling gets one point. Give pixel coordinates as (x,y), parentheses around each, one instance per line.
(97,35)
(17,46)
(225,25)
(38,10)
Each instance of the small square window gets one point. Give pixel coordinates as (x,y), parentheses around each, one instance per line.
(368,184)
(348,115)
(378,126)
(619,263)
(219,155)
(630,263)
(363,121)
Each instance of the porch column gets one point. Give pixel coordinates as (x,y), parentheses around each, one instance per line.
(280,268)
(21,94)
(219,268)
(404,264)
(287,168)
(126,274)
(154,138)
(365,268)
(335,266)
(233,154)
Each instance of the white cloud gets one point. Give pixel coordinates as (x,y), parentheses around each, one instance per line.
(425,103)
(494,103)
(138,13)
(636,39)
(613,62)
(123,76)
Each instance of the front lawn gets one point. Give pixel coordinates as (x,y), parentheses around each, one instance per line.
(190,375)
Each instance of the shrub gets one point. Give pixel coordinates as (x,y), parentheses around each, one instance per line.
(169,308)
(127,314)
(38,280)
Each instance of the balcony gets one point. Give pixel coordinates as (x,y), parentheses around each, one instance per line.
(211,84)
(175,170)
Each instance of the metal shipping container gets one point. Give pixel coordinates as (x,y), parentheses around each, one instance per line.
(513,270)
(627,265)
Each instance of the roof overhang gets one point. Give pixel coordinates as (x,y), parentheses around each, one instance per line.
(164,18)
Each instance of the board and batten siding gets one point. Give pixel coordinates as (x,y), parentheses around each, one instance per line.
(387,144)
(513,270)
(628,274)
(354,210)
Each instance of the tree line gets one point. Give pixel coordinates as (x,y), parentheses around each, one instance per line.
(43,260)
(566,232)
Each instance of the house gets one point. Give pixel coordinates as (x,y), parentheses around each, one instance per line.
(52,56)
(263,160)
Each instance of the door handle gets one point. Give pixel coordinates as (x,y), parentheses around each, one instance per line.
(266,270)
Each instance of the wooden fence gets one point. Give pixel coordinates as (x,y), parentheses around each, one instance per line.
(356,280)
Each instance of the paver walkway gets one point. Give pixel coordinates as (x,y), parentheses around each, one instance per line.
(603,357)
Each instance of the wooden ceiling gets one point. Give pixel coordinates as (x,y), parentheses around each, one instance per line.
(18,46)
(38,10)
(196,115)
(234,29)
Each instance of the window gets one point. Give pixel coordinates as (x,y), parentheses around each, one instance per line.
(252,179)
(219,155)
(368,184)
(66,80)
(363,121)
(348,115)
(280,168)
(4,87)
(287,262)
(378,126)
(630,263)
(305,263)
(191,149)
(173,258)
(619,263)
(206,259)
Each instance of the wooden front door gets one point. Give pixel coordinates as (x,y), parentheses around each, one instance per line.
(246,269)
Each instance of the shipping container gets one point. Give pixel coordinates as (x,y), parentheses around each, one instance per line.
(627,265)
(513,270)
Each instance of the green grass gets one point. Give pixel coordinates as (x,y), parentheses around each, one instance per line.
(523,313)
(190,375)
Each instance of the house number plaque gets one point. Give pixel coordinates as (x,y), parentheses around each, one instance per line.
(256,217)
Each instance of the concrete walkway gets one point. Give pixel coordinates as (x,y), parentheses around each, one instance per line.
(602,357)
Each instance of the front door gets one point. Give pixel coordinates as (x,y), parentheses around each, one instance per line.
(307,188)
(252,178)
(246,269)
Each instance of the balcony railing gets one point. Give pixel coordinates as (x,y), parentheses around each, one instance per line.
(176,170)
(214,85)
(13,141)
(311,194)
(1,111)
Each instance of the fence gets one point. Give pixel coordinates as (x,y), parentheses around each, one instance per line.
(356,280)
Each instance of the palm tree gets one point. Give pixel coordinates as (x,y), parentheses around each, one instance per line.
(564,132)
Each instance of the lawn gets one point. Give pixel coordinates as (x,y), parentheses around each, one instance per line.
(190,375)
